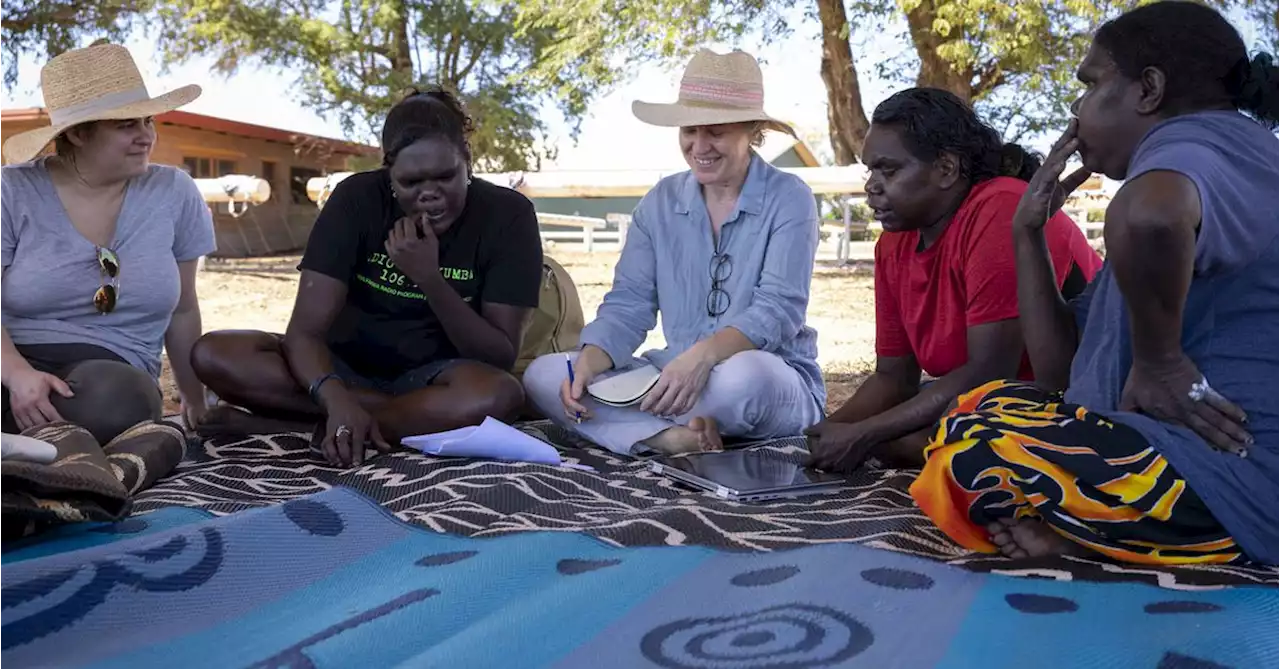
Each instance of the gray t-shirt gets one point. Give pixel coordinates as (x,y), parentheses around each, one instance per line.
(51,271)
(1230,322)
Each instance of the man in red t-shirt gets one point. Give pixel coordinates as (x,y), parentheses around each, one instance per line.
(945,277)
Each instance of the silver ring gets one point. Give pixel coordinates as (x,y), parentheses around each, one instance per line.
(342,430)
(1199,390)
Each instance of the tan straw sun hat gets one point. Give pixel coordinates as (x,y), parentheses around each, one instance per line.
(715,89)
(97,83)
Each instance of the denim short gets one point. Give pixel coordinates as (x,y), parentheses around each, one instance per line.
(414,379)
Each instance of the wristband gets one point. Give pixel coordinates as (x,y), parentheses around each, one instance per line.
(314,390)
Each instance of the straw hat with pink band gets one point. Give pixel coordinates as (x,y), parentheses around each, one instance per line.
(97,83)
(715,89)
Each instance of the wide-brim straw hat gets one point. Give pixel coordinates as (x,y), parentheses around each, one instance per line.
(715,89)
(97,83)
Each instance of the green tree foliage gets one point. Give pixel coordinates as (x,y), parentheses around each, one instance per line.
(1013,59)
(1266,15)
(356,58)
(46,28)
(596,44)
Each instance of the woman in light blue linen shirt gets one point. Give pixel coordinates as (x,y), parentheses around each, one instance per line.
(725,253)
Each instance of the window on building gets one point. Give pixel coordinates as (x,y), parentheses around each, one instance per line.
(208,168)
(198,168)
(298,178)
(269,173)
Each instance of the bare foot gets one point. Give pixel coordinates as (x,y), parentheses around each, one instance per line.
(1003,538)
(708,434)
(701,435)
(227,420)
(1030,538)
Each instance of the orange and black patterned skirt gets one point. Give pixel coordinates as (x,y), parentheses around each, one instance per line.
(1012,450)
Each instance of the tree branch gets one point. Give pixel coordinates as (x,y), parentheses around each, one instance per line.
(991,76)
(477,52)
(67,15)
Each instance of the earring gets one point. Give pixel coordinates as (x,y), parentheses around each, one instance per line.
(468,181)
(393,193)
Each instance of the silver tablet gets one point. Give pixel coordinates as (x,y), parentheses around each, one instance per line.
(746,475)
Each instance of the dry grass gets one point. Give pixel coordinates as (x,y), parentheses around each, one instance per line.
(258,293)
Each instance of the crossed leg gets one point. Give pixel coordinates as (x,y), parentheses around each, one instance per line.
(1016,470)
(248,369)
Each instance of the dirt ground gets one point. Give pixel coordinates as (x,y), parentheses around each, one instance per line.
(257,294)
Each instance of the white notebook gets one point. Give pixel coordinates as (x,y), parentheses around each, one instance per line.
(627,388)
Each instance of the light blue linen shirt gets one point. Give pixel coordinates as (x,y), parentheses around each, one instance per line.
(771,238)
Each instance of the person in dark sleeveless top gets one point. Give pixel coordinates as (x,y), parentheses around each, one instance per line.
(1163,449)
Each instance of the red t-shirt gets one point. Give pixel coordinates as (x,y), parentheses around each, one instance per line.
(926,300)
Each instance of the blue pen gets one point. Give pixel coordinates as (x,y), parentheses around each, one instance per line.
(568,363)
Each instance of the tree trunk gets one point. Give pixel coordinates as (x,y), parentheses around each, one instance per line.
(401,50)
(846,118)
(935,72)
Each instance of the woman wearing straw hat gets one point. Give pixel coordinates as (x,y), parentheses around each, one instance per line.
(99,253)
(724,251)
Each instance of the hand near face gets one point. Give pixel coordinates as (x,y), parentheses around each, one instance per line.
(1048,191)
(414,248)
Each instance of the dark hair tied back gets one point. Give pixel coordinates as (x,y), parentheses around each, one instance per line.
(932,122)
(1254,86)
(1018,162)
(1202,56)
(421,114)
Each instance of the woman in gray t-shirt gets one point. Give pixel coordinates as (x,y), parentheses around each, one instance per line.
(99,254)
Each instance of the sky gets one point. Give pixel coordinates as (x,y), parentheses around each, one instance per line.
(610,137)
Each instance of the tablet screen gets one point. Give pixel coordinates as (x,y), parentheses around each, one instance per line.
(748,471)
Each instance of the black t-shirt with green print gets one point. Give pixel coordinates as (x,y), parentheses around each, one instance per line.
(493,253)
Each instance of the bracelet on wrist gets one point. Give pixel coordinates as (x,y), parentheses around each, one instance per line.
(314,390)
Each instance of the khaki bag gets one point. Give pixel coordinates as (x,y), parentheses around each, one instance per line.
(557,323)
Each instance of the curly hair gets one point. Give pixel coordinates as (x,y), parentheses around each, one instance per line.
(1204,60)
(933,122)
(434,112)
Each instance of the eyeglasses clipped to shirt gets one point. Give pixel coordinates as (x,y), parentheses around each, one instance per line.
(104,300)
(718,299)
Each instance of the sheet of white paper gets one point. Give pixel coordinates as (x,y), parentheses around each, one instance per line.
(491,439)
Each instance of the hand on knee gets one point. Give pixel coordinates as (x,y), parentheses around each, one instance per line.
(110,397)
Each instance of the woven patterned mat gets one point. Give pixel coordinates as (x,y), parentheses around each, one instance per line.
(621,503)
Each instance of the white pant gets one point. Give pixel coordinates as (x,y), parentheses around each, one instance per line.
(754,395)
